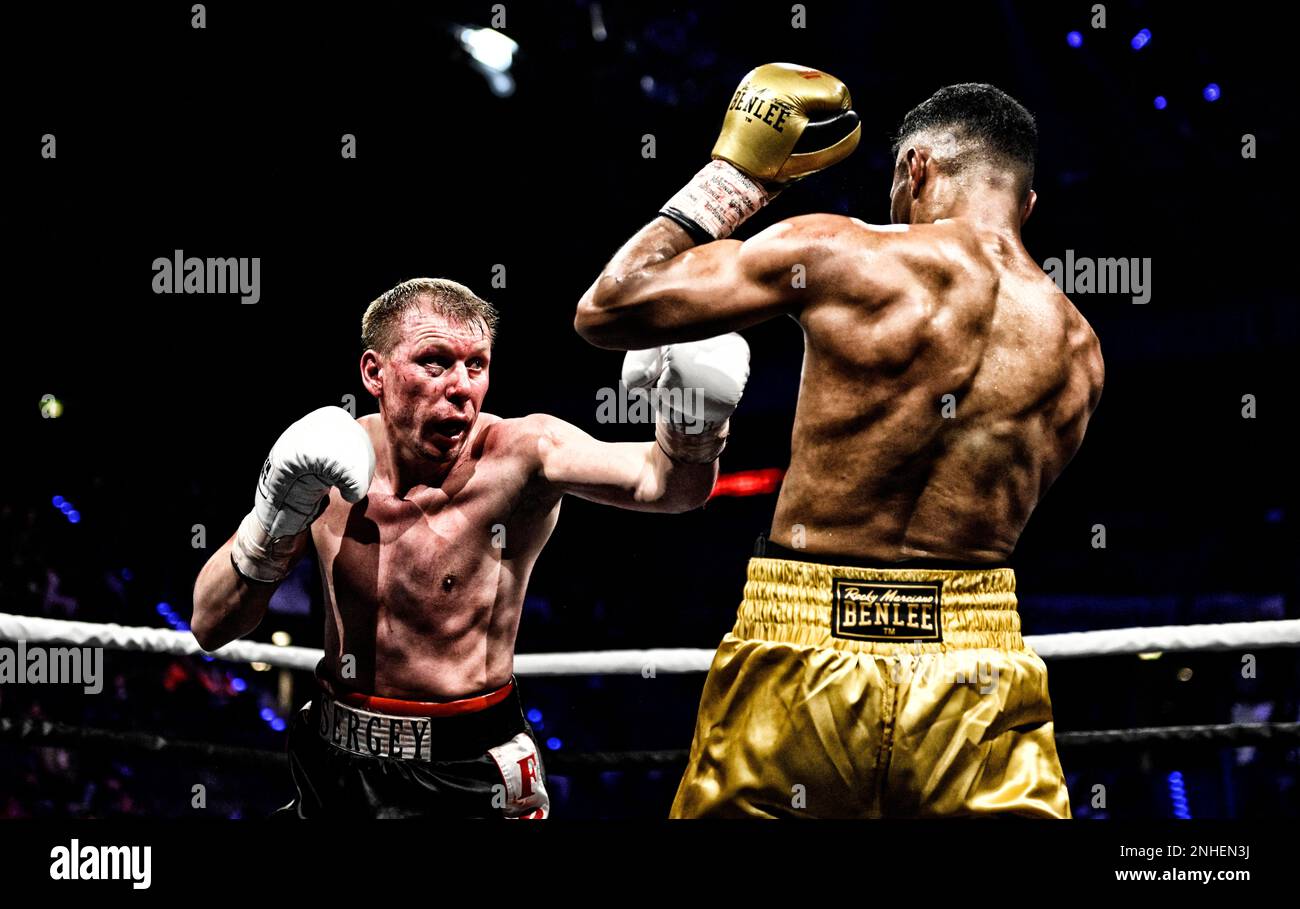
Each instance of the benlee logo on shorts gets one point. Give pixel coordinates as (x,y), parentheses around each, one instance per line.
(874,611)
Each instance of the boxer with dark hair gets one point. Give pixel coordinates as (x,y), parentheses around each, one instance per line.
(427,519)
(876,667)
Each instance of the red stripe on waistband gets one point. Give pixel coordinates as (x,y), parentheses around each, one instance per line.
(399,707)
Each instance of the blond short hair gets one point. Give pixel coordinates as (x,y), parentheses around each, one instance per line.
(381,324)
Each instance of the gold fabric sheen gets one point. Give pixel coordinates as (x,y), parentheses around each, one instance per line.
(769,112)
(795,721)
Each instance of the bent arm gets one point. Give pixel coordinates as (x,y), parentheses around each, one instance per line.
(662,289)
(227,605)
(633,475)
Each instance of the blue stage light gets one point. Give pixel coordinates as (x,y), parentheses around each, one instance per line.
(1211,92)
(163,608)
(74,517)
(553,743)
(1141,39)
(267,714)
(278,724)
(65,506)
(1074,39)
(534,715)
(1161,103)
(238,684)
(57,501)
(127,574)
(1178,796)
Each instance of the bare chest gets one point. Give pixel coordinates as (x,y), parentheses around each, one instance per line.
(432,542)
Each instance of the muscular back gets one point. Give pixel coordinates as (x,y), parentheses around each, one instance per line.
(885,465)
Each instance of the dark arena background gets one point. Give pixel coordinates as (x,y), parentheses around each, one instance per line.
(511,155)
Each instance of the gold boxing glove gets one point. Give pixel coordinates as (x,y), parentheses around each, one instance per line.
(781,108)
(783,123)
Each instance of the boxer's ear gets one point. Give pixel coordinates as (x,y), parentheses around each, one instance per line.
(916,161)
(372,373)
(1028,208)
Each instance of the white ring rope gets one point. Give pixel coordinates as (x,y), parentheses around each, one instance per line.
(1230,636)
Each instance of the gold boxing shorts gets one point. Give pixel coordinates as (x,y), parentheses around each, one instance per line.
(853,692)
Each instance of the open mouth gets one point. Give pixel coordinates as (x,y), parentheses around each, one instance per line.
(450,429)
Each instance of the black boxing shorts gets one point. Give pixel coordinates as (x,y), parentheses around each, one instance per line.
(360,756)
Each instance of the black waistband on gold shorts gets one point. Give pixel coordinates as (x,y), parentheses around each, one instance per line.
(417,730)
(798,598)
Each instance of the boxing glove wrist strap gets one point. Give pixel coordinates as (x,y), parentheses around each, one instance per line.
(687,448)
(259,558)
(716,201)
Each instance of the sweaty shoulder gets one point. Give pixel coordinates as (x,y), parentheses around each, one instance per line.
(492,435)
(1085,351)
(820,236)
(945,253)
(845,258)
(517,437)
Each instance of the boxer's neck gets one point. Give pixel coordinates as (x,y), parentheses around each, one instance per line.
(407,475)
(989,207)
(404,470)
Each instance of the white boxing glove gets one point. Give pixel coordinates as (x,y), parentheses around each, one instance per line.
(695,387)
(328,447)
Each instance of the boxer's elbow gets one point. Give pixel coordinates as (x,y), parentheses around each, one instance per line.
(592,324)
(205,629)
(688,487)
(208,643)
(683,503)
(214,628)
(608,316)
(206,621)
(221,614)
